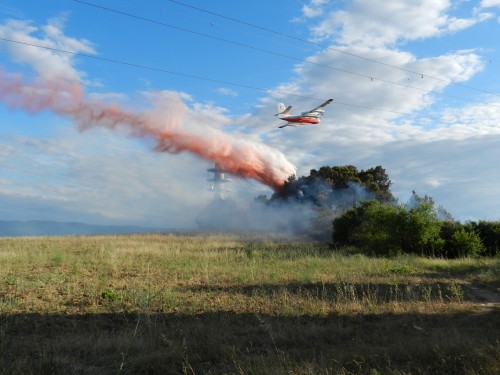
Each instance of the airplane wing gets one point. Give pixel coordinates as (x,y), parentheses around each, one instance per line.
(287,124)
(321,106)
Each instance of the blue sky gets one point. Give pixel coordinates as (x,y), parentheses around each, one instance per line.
(437,135)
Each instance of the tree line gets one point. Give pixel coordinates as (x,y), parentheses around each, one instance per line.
(368,217)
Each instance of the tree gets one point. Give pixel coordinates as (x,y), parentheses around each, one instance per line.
(377,180)
(339,186)
(337,176)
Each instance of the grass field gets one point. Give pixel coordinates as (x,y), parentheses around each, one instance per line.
(235,304)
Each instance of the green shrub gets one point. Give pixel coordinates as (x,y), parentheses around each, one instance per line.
(390,229)
(110,295)
(466,243)
(489,232)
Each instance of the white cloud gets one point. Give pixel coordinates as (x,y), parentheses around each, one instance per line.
(46,62)
(361,91)
(378,23)
(458,173)
(226,91)
(313,9)
(101,177)
(310,10)
(490,3)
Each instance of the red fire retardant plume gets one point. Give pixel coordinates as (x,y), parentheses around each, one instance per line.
(165,124)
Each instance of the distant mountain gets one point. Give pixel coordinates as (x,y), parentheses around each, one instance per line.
(53,228)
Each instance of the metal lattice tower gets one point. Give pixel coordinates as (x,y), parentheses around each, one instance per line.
(218,181)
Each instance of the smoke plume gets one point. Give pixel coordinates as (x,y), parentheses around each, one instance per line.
(167,123)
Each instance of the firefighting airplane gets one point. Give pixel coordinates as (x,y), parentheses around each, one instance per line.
(305,118)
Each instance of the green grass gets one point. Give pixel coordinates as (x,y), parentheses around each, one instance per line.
(141,304)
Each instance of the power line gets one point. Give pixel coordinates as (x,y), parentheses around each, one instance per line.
(160,70)
(200,19)
(328,47)
(371,78)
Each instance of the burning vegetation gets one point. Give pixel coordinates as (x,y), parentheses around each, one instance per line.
(356,209)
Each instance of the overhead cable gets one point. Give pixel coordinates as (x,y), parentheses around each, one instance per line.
(370,77)
(161,70)
(422,75)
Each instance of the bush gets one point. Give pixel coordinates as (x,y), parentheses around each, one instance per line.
(466,243)
(369,226)
(489,232)
(421,228)
(390,229)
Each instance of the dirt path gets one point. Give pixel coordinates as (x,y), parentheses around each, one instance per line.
(487,294)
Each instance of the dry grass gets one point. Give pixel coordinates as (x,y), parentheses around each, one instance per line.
(206,303)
